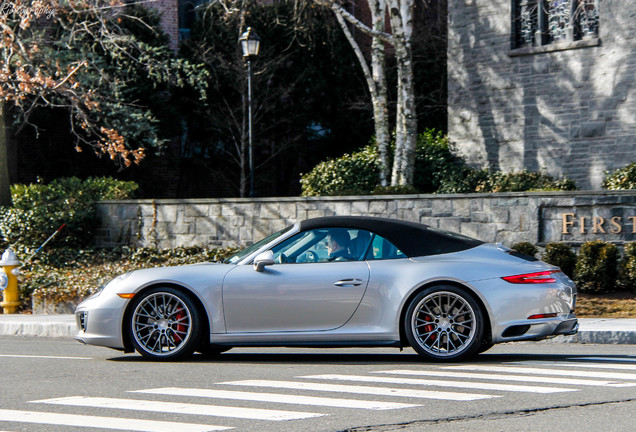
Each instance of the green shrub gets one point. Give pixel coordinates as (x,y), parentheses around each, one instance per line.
(466,181)
(352,174)
(40,209)
(627,268)
(560,255)
(622,178)
(596,267)
(525,248)
(395,190)
(437,170)
(436,163)
(522,181)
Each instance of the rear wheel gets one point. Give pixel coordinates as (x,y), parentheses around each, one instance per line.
(164,324)
(444,323)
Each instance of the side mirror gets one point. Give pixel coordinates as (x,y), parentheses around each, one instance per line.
(263,259)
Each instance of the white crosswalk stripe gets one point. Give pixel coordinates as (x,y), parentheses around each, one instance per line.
(180,408)
(440,383)
(116,423)
(541,371)
(507,377)
(585,365)
(278,398)
(380,391)
(606,359)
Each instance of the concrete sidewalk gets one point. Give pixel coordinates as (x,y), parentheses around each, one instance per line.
(591,330)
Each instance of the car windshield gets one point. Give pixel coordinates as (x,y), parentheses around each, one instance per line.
(248,250)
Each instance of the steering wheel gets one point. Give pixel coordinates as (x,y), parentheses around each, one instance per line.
(282,259)
(311,256)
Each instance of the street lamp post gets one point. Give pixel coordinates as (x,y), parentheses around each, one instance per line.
(250,44)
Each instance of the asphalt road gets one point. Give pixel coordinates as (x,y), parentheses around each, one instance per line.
(59,385)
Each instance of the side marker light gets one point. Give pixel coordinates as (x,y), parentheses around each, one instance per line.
(541,316)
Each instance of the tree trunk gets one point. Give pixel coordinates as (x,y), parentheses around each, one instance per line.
(375,75)
(380,108)
(401,13)
(5,190)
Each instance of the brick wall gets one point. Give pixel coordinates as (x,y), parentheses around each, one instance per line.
(507,218)
(169,10)
(566,112)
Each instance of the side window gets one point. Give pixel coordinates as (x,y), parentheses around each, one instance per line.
(324,245)
(382,249)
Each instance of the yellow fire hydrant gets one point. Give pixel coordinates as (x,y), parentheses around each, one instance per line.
(9,282)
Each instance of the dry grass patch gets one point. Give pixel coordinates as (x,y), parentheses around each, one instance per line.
(620,304)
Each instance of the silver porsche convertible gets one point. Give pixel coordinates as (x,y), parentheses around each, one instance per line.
(337,282)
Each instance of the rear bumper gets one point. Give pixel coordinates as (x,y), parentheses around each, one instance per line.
(568,327)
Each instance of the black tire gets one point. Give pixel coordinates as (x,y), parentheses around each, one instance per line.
(209,350)
(444,323)
(485,346)
(164,324)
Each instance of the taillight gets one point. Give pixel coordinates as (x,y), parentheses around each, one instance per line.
(533,278)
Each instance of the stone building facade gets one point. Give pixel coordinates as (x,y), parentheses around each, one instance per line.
(545,85)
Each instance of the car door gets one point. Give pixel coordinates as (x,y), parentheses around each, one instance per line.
(295,295)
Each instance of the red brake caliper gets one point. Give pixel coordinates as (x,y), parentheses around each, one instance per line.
(429,328)
(181,328)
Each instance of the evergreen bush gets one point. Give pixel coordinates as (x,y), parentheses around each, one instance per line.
(395,190)
(627,268)
(352,174)
(525,248)
(40,209)
(622,178)
(560,255)
(437,170)
(436,163)
(596,267)
(521,181)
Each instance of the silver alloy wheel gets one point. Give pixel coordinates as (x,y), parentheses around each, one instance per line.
(162,324)
(443,324)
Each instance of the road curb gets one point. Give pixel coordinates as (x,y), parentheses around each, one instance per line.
(591,330)
(61,326)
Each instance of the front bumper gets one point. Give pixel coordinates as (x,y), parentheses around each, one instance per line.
(99,321)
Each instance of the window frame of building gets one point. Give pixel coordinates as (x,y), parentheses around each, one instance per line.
(553,25)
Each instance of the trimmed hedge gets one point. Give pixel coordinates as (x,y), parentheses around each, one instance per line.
(560,255)
(627,268)
(596,268)
(525,248)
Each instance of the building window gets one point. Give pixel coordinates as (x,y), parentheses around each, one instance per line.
(187,17)
(537,23)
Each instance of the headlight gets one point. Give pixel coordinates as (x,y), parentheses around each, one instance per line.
(111,283)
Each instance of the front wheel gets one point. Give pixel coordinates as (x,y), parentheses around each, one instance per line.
(164,324)
(444,323)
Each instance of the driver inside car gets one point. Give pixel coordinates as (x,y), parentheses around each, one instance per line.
(338,246)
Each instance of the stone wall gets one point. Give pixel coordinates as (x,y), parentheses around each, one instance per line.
(565,109)
(537,217)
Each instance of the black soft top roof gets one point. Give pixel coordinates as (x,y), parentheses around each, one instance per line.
(413,239)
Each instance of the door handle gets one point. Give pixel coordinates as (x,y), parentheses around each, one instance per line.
(348,282)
